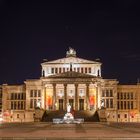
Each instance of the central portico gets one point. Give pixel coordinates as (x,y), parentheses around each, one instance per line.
(79,90)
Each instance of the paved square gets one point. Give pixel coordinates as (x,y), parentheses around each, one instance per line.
(40,131)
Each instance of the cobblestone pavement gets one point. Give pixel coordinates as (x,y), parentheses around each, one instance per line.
(85,131)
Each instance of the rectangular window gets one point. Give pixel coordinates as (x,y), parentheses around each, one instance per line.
(128,96)
(124,95)
(89,70)
(128,105)
(0,95)
(31,93)
(107,93)
(22,96)
(131,95)
(121,104)
(35,103)
(111,93)
(22,105)
(39,93)
(107,103)
(31,103)
(85,70)
(52,70)
(59,70)
(17,115)
(15,105)
(12,96)
(103,93)
(119,116)
(124,104)
(63,69)
(118,95)
(121,95)
(82,70)
(56,70)
(78,70)
(125,115)
(18,96)
(15,96)
(12,105)
(111,103)
(35,93)
(132,105)
(18,105)
(74,69)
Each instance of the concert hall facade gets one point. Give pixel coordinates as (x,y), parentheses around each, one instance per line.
(75,81)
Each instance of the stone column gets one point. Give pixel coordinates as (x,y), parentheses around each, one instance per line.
(65,96)
(97,98)
(76,96)
(87,96)
(45,106)
(54,96)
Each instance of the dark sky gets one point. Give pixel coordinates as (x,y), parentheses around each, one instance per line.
(31,31)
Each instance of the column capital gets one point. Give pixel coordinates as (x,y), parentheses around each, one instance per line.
(65,85)
(87,84)
(76,85)
(54,84)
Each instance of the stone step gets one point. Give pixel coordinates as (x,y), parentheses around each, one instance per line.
(86,115)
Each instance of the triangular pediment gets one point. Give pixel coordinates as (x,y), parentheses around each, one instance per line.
(71,60)
(71,74)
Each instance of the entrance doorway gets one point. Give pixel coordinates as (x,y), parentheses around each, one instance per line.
(71,102)
(60,104)
(81,104)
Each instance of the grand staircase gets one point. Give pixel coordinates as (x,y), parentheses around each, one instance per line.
(88,116)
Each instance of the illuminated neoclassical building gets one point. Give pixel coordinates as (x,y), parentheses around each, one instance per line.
(75,81)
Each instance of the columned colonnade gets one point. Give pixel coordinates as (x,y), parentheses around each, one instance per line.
(76,96)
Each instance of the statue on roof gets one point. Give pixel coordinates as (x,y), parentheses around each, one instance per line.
(71,52)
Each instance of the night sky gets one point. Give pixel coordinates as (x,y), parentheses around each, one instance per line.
(31,31)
